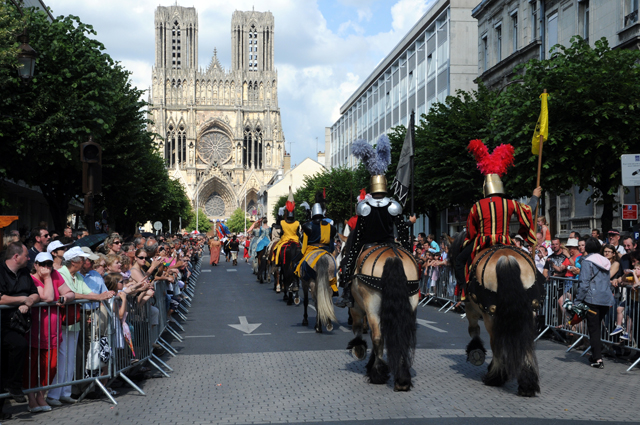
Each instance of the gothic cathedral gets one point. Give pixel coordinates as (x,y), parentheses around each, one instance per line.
(223,136)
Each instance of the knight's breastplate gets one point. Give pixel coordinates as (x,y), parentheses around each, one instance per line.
(377,217)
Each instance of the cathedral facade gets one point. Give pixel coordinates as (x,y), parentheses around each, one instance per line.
(222,133)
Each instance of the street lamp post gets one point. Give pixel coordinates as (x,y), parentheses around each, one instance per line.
(27,56)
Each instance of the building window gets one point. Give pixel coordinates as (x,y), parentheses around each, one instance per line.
(584,20)
(498,42)
(552,31)
(534,21)
(485,53)
(514,26)
(630,12)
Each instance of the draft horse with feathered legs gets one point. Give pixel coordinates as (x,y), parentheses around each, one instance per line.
(385,291)
(503,290)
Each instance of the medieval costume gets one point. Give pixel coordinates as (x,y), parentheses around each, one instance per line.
(488,220)
(318,234)
(290,228)
(379,216)
(214,248)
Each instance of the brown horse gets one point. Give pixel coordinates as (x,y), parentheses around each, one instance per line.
(504,292)
(385,290)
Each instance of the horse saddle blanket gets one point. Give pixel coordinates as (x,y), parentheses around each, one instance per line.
(370,265)
(306,269)
(483,282)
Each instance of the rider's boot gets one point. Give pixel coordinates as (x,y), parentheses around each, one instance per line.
(347,299)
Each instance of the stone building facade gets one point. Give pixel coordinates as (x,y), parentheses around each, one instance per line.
(221,128)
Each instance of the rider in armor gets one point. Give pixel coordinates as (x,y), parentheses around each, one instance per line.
(378,219)
(318,233)
(290,227)
(379,216)
(488,220)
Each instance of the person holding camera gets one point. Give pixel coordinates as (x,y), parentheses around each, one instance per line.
(17,290)
(594,290)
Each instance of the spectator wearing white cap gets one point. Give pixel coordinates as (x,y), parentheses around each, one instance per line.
(70,271)
(45,334)
(57,249)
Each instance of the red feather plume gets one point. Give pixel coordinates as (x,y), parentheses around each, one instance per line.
(495,163)
(363,194)
(290,206)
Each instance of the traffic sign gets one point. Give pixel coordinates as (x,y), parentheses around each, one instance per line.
(630,212)
(157,225)
(630,169)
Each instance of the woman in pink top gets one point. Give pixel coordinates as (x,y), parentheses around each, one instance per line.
(45,333)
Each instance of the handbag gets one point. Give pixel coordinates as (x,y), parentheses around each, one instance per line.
(20,322)
(70,314)
(93,356)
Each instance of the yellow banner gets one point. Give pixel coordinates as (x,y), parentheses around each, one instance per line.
(542,126)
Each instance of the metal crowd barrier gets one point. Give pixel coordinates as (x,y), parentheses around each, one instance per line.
(97,349)
(438,284)
(626,309)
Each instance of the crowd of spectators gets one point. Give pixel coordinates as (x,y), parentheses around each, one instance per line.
(49,344)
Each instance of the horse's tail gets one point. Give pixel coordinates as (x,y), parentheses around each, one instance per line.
(513,323)
(324,292)
(397,320)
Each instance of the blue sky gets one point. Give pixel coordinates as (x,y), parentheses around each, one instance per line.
(324,49)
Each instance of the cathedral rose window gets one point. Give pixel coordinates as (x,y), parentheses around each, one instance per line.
(214,207)
(215,147)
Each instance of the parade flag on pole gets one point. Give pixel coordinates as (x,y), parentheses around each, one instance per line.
(402,181)
(542,126)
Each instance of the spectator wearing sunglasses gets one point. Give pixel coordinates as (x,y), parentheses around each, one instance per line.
(46,331)
(41,239)
(113,244)
(56,249)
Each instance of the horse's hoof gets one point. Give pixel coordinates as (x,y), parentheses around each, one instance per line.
(296,300)
(527,393)
(330,326)
(359,351)
(397,387)
(476,357)
(305,322)
(318,329)
(289,302)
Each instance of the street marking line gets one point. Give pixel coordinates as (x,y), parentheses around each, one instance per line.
(231,270)
(343,329)
(427,324)
(206,271)
(199,336)
(268,333)
(306,332)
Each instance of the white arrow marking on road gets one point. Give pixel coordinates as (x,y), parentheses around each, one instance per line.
(245,326)
(426,324)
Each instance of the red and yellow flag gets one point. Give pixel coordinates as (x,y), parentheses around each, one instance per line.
(542,126)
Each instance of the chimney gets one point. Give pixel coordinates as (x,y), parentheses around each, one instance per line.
(287,162)
(321,158)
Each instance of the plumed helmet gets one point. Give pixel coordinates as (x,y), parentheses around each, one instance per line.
(281,212)
(316,210)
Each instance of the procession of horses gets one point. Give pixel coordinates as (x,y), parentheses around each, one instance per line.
(380,278)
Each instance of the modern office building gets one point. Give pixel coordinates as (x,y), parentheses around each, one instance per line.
(434,59)
(511,32)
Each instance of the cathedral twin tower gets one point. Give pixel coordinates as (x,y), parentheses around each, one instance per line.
(222,133)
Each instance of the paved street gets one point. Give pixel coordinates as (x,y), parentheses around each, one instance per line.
(282,372)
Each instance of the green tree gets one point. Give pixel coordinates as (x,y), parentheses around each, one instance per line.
(594,99)
(204,225)
(238,221)
(11,26)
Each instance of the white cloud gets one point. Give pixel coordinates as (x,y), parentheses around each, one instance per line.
(318,69)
